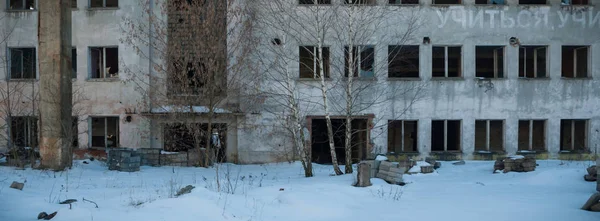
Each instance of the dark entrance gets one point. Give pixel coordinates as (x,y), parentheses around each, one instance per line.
(183,137)
(320,141)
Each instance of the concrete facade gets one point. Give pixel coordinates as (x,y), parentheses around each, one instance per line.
(466,25)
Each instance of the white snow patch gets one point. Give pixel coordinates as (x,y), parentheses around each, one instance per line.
(417,167)
(167,152)
(514,157)
(381,158)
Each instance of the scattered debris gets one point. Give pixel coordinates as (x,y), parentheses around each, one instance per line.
(388,171)
(45,216)
(480,183)
(515,163)
(85,162)
(427,169)
(417,167)
(187,189)
(462,162)
(281,189)
(592,175)
(592,202)
(69,201)
(92,159)
(17,185)
(363,178)
(84,200)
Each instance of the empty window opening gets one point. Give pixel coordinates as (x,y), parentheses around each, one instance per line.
(573,134)
(489,61)
(489,135)
(575,61)
(489,2)
(402,136)
(360,2)
(446,2)
(104,62)
(362,61)
(74,132)
(320,141)
(73,3)
(403,61)
(532,2)
(312,2)
(22,63)
(532,61)
(24,131)
(74,62)
(21,4)
(105,132)
(446,61)
(445,135)
(184,137)
(574,2)
(104,3)
(532,135)
(310,64)
(403,2)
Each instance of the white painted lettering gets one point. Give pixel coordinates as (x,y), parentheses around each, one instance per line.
(506,22)
(594,20)
(580,19)
(539,17)
(460,17)
(524,22)
(443,19)
(563,19)
(477,18)
(492,13)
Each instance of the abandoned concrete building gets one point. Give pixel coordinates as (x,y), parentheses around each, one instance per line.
(495,77)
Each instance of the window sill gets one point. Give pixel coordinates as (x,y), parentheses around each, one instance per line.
(534,5)
(574,152)
(312,5)
(488,152)
(490,79)
(23,80)
(490,5)
(404,79)
(103,79)
(446,5)
(447,78)
(313,79)
(574,78)
(101,8)
(362,78)
(20,10)
(534,79)
(405,5)
(531,151)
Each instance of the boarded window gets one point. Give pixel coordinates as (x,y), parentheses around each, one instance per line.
(403,61)
(310,64)
(402,136)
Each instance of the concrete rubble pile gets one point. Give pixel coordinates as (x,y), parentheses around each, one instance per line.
(123,159)
(391,172)
(516,164)
(592,175)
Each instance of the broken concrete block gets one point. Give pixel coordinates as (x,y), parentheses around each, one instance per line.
(589,178)
(17,185)
(462,162)
(426,169)
(363,177)
(594,199)
(592,171)
(187,189)
(437,165)
(595,207)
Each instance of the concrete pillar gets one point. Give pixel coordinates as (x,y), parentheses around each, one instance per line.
(54,37)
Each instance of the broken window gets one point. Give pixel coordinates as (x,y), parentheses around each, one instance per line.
(489,2)
(22,63)
(74,61)
(445,135)
(446,2)
(575,60)
(24,131)
(532,61)
(402,136)
(403,61)
(574,2)
(363,59)
(489,61)
(309,2)
(573,134)
(403,2)
(446,61)
(105,132)
(532,135)
(104,3)
(360,2)
(104,62)
(310,62)
(532,2)
(489,135)
(21,4)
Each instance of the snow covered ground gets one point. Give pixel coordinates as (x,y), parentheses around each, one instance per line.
(278,192)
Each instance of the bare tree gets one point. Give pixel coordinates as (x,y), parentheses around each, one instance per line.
(198,53)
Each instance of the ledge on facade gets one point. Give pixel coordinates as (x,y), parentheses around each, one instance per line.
(194,110)
(101,8)
(535,79)
(20,10)
(447,155)
(313,79)
(447,78)
(103,79)
(404,79)
(23,80)
(575,79)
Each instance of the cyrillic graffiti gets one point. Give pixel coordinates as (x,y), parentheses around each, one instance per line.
(523,19)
